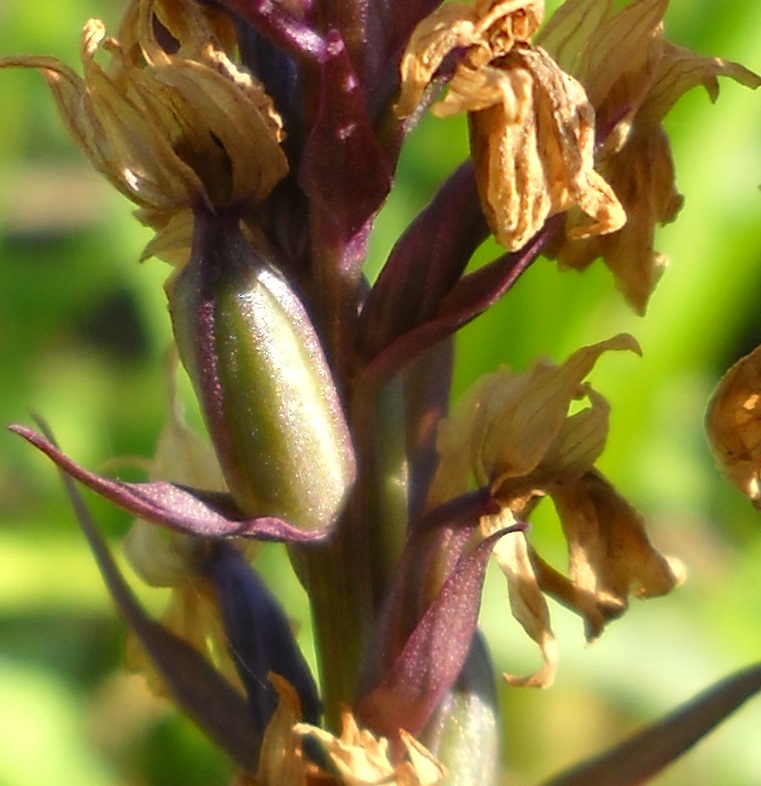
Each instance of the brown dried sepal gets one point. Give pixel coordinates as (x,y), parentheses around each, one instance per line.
(610,553)
(514,433)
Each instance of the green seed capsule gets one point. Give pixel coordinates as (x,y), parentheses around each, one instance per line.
(262,379)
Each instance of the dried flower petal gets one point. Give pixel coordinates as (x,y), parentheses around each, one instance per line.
(527,602)
(507,422)
(514,434)
(361,758)
(533,152)
(610,554)
(280,760)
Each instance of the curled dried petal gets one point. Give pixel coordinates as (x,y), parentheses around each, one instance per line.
(643,175)
(610,553)
(540,162)
(531,124)
(527,602)
(450,26)
(490,27)
(633,76)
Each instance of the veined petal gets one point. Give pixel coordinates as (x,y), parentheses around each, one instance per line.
(533,152)
(642,174)
(599,45)
(679,70)
(235,115)
(633,76)
(506,424)
(531,124)
(115,132)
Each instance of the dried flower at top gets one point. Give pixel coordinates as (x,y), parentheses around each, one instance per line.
(532,128)
(173,120)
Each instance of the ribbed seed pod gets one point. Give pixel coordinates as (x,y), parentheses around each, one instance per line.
(262,380)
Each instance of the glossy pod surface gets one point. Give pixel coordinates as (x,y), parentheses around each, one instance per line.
(263,381)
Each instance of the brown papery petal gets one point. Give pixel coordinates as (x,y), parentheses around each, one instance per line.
(599,46)
(733,423)
(280,759)
(219,113)
(114,129)
(574,451)
(490,28)
(539,163)
(610,553)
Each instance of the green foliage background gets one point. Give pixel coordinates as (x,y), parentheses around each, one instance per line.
(83,336)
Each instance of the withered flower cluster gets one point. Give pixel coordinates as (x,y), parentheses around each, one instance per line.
(259,140)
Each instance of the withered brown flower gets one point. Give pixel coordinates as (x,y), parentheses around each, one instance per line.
(169,129)
(633,76)
(733,423)
(514,433)
(531,124)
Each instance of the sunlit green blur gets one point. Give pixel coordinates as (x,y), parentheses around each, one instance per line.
(83,337)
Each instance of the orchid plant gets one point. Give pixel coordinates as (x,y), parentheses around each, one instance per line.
(259,141)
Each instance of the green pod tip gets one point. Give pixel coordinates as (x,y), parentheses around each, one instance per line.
(262,379)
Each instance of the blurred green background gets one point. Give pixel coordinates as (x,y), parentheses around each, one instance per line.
(83,336)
